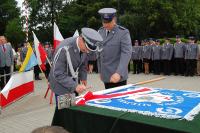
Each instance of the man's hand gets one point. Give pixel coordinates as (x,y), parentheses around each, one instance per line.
(115,78)
(80,88)
(84,82)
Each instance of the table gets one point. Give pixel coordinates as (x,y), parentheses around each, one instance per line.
(87,119)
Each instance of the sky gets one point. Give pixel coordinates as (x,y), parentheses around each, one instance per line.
(19,3)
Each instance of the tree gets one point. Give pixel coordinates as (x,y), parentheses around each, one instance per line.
(8,11)
(14,32)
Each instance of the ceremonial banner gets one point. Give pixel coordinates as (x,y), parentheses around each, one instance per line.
(158,102)
(20,84)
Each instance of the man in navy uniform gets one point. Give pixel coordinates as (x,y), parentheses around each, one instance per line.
(117,49)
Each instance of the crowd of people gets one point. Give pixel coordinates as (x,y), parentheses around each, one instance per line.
(178,59)
(11,60)
(107,51)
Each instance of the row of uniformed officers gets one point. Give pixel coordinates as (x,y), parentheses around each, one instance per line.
(180,58)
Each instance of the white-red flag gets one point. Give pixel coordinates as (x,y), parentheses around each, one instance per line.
(76,34)
(40,52)
(57,36)
(19,85)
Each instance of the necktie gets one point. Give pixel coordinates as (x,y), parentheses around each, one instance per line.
(4,49)
(80,54)
(107,32)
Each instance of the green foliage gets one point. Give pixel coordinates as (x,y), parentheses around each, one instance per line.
(8,11)
(143,18)
(14,32)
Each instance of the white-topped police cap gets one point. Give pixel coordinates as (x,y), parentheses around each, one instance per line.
(107,14)
(92,38)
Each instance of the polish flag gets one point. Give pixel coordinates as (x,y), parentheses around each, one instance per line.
(57,36)
(40,52)
(19,85)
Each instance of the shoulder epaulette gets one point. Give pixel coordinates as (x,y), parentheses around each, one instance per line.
(121,27)
(101,28)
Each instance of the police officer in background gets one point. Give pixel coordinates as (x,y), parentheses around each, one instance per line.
(156,55)
(23,51)
(191,56)
(166,56)
(69,62)
(146,55)
(117,49)
(136,57)
(48,61)
(179,53)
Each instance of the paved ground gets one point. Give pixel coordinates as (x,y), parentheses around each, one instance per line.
(34,111)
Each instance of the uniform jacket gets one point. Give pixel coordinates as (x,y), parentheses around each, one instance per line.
(192,51)
(116,53)
(92,56)
(136,53)
(179,50)
(49,54)
(156,52)
(60,78)
(6,58)
(167,51)
(23,53)
(146,52)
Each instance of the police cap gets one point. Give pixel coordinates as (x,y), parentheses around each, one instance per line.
(191,37)
(107,14)
(178,36)
(91,38)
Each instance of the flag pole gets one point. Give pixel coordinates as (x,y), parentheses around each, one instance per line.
(149,81)
(48,61)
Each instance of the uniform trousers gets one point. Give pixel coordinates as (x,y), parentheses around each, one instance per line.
(179,66)
(47,70)
(167,67)
(112,85)
(198,67)
(136,66)
(156,66)
(191,65)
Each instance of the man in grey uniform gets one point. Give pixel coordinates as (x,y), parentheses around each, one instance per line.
(179,52)
(191,56)
(117,49)
(23,52)
(156,54)
(49,59)
(68,62)
(136,57)
(166,56)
